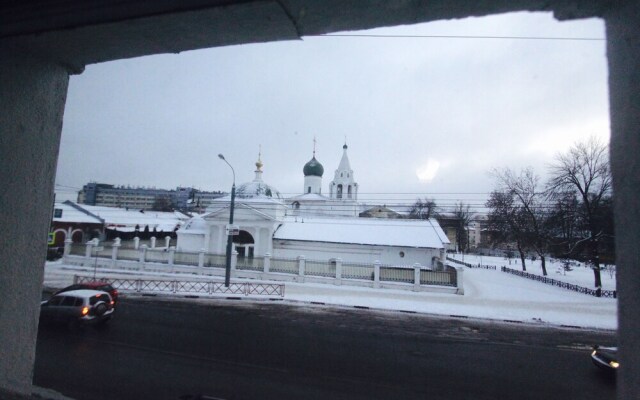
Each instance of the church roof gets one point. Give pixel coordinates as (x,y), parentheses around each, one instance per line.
(344,162)
(310,197)
(313,168)
(365,231)
(257,189)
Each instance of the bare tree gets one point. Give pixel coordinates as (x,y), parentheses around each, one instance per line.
(584,170)
(563,224)
(530,199)
(507,222)
(463,216)
(423,209)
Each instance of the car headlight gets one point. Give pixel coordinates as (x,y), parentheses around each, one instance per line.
(593,353)
(614,364)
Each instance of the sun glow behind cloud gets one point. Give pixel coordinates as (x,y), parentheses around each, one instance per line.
(428,171)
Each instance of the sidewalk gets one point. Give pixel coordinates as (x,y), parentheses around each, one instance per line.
(488,294)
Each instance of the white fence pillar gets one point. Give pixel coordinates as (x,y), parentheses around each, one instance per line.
(267,262)
(136,243)
(301,265)
(234,263)
(167,241)
(153,242)
(376,274)
(201,261)
(459,280)
(143,256)
(114,253)
(172,258)
(416,277)
(338,262)
(67,246)
(88,252)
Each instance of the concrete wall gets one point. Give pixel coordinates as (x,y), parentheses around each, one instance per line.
(623,52)
(32,105)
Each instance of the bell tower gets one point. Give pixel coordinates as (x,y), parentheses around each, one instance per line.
(343,186)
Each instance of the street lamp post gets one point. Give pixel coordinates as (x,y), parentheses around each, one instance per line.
(227,272)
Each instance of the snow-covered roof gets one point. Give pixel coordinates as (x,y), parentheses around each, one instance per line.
(367,231)
(309,197)
(73,214)
(125,220)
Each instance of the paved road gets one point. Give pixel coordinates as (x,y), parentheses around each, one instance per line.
(160,349)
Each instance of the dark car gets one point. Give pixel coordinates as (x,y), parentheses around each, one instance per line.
(78,307)
(605,358)
(93,285)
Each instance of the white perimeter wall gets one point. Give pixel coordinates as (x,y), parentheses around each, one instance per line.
(355,252)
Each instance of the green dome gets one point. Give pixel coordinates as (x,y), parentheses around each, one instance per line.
(313,168)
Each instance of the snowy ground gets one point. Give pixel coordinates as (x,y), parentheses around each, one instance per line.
(488,294)
(579,274)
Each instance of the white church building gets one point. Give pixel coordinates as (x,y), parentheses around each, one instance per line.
(313,225)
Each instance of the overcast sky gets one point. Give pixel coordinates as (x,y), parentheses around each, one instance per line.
(424,117)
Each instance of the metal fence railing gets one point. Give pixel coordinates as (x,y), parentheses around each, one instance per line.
(569,286)
(284,265)
(128,254)
(102,252)
(389,274)
(157,256)
(320,268)
(357,271)
(185,258)
(442,278)
(189,287)
(250,263)
(214,260)
(469,265)
(78,249)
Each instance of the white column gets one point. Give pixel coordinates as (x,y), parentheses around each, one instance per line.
(67,246)
(167,241)
(153,242)
(114,252)
(416,277)
(338,271)
(301,265)
(234,263)
(136,243)
(172,258)
(201,260)
(459,280)
(267,262)
(87,253)
(143,256)
(376,274)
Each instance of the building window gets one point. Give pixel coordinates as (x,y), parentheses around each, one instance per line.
(57,213)
(309,189)
(402,254)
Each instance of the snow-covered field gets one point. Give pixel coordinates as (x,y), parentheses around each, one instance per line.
(579,274)
(488,294)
